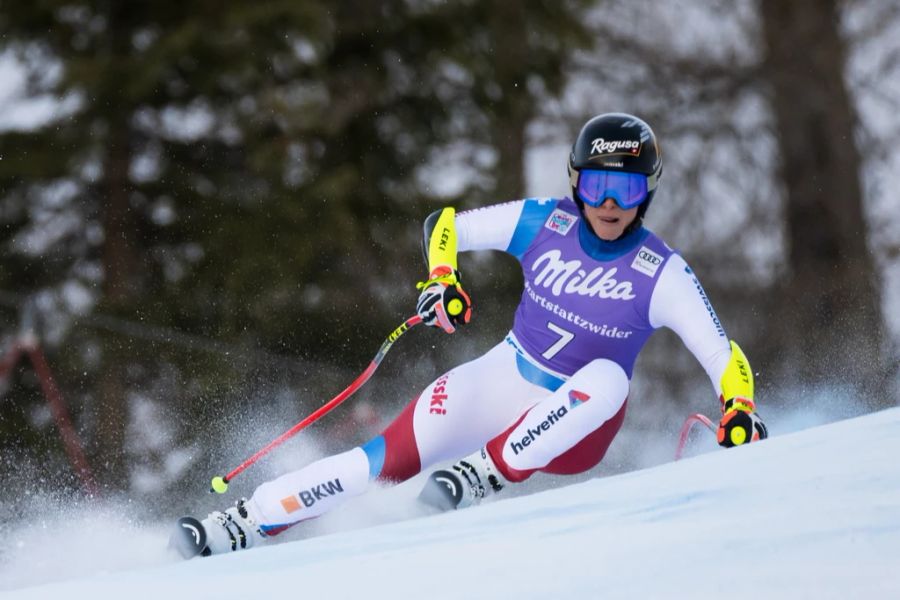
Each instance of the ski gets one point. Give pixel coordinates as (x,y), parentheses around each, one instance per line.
(188,538)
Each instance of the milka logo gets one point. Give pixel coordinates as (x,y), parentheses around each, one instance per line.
(568,276)
(601,146)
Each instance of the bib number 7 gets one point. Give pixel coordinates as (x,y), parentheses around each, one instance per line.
(564,338)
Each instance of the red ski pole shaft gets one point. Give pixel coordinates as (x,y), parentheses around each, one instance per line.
(686,431)
(220,484)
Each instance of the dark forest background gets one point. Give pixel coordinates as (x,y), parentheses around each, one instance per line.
(219,221)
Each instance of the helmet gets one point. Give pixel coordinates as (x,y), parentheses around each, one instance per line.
(617,142)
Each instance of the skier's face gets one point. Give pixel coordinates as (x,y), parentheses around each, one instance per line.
(608,220)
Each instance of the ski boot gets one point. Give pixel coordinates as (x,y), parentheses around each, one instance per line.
(218,533)
(464,484)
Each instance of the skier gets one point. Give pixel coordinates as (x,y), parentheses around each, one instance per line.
(551,396)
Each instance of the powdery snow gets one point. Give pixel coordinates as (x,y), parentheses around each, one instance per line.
(814,513)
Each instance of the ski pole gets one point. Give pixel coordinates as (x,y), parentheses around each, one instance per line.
(686,430)
(220,483)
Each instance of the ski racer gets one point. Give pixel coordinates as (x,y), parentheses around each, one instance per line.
(551,396)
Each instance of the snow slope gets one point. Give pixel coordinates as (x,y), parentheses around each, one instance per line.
(812,514)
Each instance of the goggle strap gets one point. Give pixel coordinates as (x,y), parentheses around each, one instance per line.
(653,180)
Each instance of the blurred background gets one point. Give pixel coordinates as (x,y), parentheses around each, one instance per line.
(211,213)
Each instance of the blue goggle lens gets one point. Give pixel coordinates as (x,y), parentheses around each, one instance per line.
(627,189)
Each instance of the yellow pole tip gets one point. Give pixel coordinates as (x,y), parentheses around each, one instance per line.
(219,485)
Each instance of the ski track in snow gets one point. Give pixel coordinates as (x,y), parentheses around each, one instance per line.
(815,513)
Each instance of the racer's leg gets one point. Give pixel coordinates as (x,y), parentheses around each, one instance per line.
(455,415)
(569,431)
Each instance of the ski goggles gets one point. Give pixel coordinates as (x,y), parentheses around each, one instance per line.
(627,189)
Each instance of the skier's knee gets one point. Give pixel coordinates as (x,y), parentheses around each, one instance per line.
(601,376)
(394,456)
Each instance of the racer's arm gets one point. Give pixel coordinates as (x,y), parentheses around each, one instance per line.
(442,302)
(510,227)
(489,228)
(680,303)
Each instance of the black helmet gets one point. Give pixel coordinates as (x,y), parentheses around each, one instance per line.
(617,142)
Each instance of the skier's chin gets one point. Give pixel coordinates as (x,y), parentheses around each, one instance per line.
(608,231)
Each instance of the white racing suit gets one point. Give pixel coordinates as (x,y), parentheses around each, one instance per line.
(549,397)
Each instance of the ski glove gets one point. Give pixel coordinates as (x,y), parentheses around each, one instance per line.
(740,424)
(443,303)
